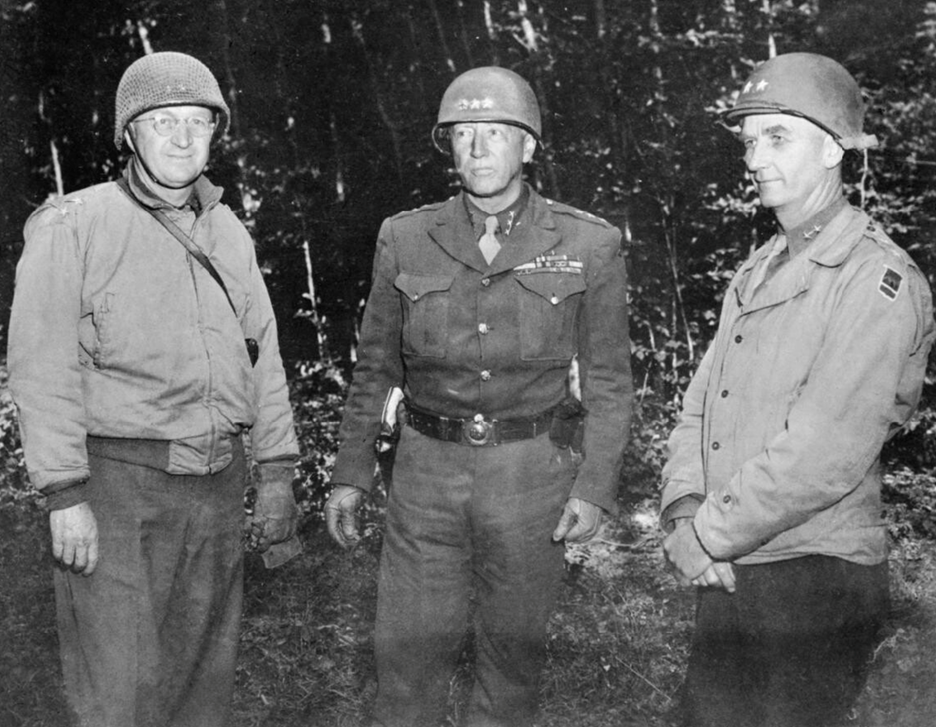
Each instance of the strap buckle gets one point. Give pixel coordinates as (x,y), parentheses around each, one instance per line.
(478,431)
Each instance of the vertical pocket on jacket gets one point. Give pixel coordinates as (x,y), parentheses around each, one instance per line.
(425,300)
(549,304)
(102,316)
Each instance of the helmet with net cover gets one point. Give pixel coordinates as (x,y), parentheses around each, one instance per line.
(166,79)
(811,86)
(490,94)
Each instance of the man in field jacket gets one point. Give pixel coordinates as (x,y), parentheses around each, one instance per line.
(771,492)
(134,383)
(481,341)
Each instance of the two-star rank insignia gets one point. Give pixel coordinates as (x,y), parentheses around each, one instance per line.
(890,283)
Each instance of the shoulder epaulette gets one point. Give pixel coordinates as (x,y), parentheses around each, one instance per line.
(65,203)
(564,209)
(431,207)
(882,239)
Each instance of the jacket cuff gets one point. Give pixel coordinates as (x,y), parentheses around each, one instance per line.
(685,507)
(63,495)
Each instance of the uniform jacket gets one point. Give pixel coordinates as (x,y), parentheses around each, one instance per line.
(808,375)
(462,337)
(117,332)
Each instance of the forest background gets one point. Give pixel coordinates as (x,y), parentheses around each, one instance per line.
(332,102)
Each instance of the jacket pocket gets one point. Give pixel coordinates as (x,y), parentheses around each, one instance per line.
(425,300)
(549,304)
(102,321)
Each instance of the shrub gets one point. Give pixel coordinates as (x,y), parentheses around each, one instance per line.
(910,504)
(13,483)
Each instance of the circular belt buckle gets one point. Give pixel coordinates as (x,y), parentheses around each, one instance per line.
(478,432)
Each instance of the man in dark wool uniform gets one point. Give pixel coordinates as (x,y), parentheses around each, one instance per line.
(479,307)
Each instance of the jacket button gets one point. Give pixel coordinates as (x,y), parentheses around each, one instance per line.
(485,375)
(554,300)
(724,393)
(738,338)
(483,328)
(485,282)
(726,499)
(715,445)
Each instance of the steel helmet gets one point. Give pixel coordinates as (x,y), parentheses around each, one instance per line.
(812,87)
(490,94)
(166,79)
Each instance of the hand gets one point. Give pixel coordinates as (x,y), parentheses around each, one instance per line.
(718,575)
(275,515)
(341,514)
(580,521)
(75,538)
(685,554)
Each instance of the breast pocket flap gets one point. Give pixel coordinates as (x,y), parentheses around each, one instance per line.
(554,287)
(415,287)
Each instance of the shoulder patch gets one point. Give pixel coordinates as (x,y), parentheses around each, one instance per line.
(560,208)
(889,286)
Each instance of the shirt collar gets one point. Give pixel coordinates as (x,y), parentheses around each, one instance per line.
(799,237)
(507,218)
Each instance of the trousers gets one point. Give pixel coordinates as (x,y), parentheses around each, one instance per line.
(791,646)
(468,544)
(150,638)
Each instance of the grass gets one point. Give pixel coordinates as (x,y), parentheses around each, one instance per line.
(616,650)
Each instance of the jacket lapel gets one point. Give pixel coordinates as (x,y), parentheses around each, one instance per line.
(536,235)
(452,231)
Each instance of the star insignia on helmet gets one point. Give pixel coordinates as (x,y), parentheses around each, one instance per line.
(487,103)
(747,87)
(475,103)
(762,84)
(463,104)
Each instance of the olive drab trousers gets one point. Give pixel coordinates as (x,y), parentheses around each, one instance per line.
(150,638)
(468,538)
(791,646)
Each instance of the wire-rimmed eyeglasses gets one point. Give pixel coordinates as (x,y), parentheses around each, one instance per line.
(165,125)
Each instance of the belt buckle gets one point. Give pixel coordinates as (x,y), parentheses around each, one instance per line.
(477,432)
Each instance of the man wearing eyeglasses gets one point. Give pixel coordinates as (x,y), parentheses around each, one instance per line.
(142,345)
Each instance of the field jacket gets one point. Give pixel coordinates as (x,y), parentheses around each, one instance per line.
(809,374)
(462,337)
(116,331)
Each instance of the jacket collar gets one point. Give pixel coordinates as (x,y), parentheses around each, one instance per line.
(205,195)
(830,248)
(535,233)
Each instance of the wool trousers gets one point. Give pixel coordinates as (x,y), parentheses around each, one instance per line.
(468,544)
(150,638)
(791,646)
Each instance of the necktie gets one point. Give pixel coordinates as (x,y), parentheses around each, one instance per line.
(488,242)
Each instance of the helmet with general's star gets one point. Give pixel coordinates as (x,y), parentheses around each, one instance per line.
(492,94)
(166,79)
(811,86)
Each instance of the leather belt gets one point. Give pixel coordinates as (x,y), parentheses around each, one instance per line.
(478,431)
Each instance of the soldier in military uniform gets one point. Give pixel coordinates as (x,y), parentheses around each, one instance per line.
(478,307)
(771,492)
